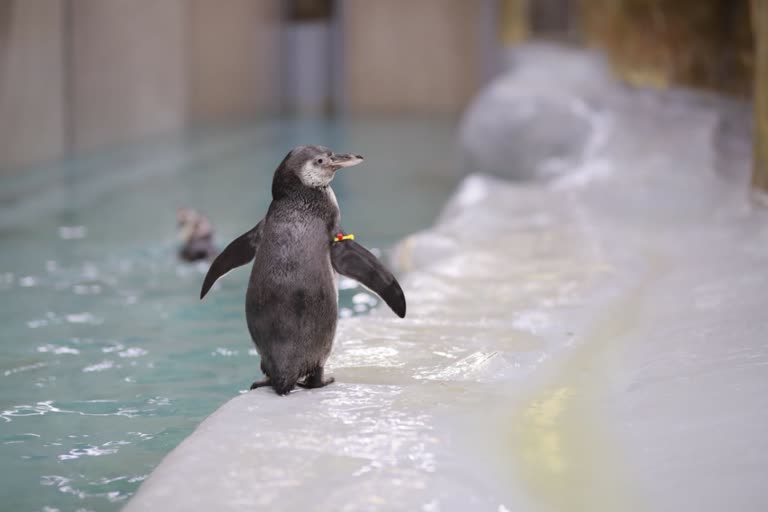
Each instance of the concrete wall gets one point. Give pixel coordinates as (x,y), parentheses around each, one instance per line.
(31,77)
(232,50)
(79,75)
(406,56)
(127,76)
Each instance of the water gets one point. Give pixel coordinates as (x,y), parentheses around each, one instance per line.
(107,358)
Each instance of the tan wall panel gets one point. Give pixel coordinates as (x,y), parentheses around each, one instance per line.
(31,113)
(128,69)
(232,55)
(411,56)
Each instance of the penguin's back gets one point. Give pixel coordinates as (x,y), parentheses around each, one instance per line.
(292,302)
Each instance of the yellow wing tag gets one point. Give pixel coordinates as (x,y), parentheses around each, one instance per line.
(341,236)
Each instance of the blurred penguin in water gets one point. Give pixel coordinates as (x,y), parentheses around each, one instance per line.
(196,235)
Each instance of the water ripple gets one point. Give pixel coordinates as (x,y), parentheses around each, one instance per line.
(88,408)
(92,451)
(24,368)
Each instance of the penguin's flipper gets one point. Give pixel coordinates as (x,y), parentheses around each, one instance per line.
(239,252)
(353,260)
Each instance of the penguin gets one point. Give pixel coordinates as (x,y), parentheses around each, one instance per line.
(291,304)
(196,235)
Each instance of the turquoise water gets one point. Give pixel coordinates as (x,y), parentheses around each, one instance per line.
(107,358)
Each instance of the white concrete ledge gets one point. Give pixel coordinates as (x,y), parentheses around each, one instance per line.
(594,343)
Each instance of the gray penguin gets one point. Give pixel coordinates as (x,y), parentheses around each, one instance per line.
(291,305)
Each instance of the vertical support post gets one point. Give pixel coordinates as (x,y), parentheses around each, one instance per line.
(514,21)
(760,26)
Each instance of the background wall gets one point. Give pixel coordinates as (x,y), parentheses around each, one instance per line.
(401,55)
(79,75)
(82,75)
(31,82)
(126,70)
(232,58)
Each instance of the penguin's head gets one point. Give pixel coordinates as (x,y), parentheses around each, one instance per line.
(314,166)
(192,224)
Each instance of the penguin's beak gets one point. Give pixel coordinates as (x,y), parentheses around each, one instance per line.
(339,161)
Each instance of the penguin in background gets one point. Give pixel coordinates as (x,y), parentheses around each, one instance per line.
(196,235)
(291,305)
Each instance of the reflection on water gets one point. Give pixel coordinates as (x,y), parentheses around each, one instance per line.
(107,358)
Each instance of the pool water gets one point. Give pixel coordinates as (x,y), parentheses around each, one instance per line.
(107,357)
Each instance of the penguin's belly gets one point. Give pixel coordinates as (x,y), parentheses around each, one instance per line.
(292,308)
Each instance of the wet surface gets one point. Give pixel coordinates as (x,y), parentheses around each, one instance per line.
(591,340)
(107,358)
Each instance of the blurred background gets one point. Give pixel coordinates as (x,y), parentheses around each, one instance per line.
(81,75)
(113,113)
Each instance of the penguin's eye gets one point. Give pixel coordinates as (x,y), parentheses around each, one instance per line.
(320,161)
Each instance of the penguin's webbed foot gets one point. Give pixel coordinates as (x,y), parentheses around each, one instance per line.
(316,380)
(261,383)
